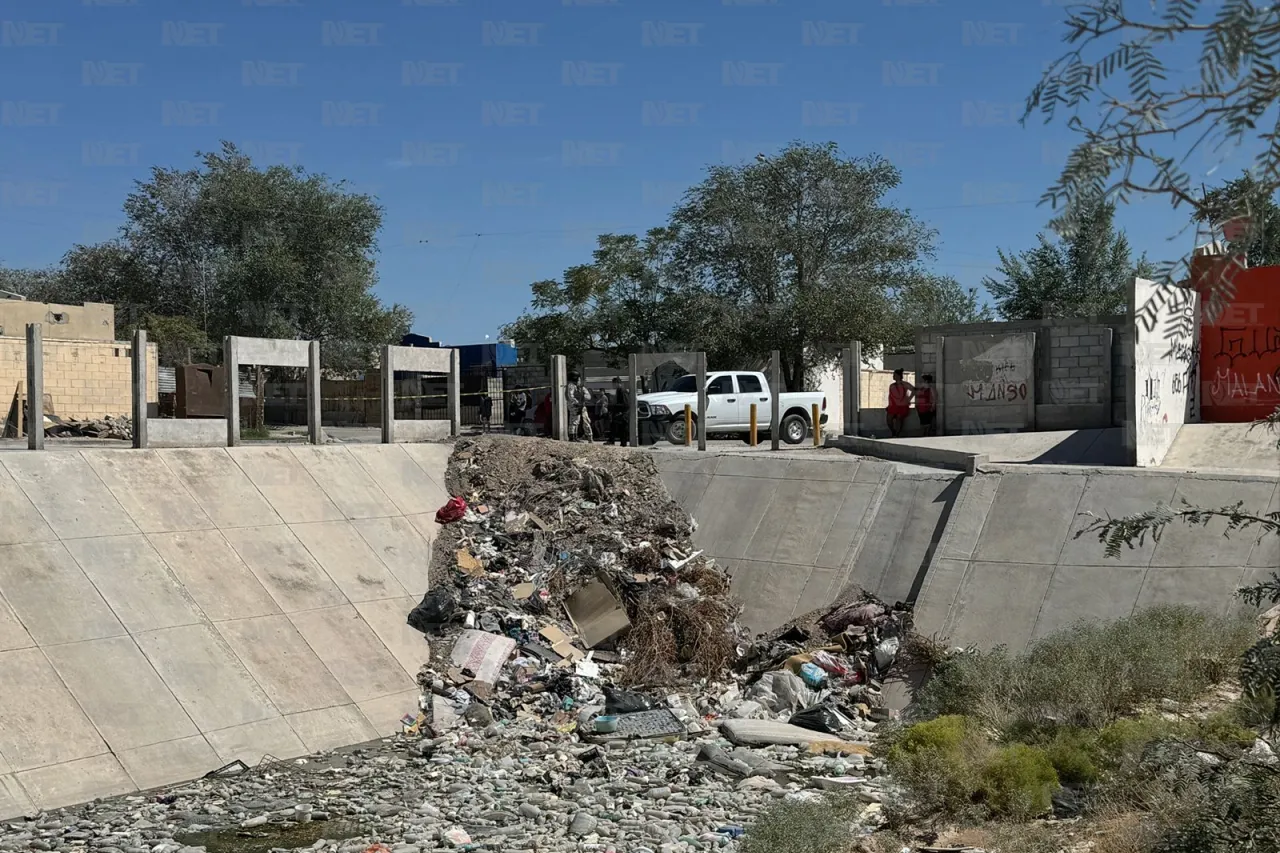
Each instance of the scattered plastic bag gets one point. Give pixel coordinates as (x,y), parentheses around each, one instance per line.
(887,652)
(625,701)
(783,691)
(454,510)
(819,718)
(436,608)
(813,675)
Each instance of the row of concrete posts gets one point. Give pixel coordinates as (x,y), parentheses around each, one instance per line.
(305,355)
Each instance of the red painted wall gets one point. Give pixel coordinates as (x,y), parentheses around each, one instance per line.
(1240,350)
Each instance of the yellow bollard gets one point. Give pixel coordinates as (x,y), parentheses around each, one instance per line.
(753,424)
(817,427)
(688,425)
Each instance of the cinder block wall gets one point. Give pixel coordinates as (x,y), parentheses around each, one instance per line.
(1072,365)
(84,379)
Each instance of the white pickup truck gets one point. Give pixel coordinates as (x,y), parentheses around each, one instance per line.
(729,398)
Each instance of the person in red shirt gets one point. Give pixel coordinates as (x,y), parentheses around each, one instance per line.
(927,405)
(900,394)
(542,417)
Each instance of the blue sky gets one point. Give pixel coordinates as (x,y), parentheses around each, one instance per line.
(502,136)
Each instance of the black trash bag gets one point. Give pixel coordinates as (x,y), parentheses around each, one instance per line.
(435,609)
(625,701)
(819,718)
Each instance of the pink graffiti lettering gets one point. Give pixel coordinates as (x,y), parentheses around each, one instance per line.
(1227,385)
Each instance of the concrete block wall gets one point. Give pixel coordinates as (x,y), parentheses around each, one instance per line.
(1073,370)
(84,379)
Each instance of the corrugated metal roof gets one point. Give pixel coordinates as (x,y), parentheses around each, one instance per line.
(167,377)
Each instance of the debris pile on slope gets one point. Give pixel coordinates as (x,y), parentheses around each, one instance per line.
(546,543)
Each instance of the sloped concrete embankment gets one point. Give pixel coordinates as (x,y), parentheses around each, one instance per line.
(165,612)
(1010,568)
(988,559)
(796,532)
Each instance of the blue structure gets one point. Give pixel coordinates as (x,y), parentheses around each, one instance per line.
(484,359)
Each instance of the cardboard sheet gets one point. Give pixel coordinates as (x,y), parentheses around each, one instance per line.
(597,614)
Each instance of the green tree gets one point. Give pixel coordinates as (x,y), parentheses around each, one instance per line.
(804,250)
(1245,196)
(240,250)
(934,300)
(630,298)
(1086,274)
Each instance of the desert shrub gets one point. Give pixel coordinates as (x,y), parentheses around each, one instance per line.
(1018,782)
(791,826)
(937,763)
(1237,807)
(1071,752)
(1090,674)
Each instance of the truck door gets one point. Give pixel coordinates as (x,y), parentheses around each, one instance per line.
(751,390)
(722,403)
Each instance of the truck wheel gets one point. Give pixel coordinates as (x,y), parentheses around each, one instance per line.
(675,431)
(794,429)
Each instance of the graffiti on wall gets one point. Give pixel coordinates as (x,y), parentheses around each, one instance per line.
(1164,367)
(1239,358)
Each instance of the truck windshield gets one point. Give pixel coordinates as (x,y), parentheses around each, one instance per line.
(687,384)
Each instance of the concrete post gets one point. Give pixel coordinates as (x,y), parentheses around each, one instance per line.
(454,390)
(35,387)
(852,358)
(231,363)
(315,434)
(702,401)
(559,417)
(633,415)
(387,397)
(940,387)
(139,353)
(775,389)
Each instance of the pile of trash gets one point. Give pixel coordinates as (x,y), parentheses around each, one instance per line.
(566,589)
(119,428)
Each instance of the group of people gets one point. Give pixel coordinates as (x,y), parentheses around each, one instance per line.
(590,413)
(902,394)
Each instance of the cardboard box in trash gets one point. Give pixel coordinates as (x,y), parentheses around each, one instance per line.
(597,613)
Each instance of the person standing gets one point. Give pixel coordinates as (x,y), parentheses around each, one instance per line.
(520,404)
(542,416)
(620,413)
(577,399)
(900,394)
(927,405)
(486,411)
(600,419)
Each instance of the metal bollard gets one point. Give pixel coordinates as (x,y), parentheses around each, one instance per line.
(753,424)
(688,425)
(817,427)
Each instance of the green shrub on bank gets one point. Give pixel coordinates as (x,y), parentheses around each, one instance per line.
(1018,782)
(1090,674)
(822,826)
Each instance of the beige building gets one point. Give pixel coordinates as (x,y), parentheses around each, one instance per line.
(87,373)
